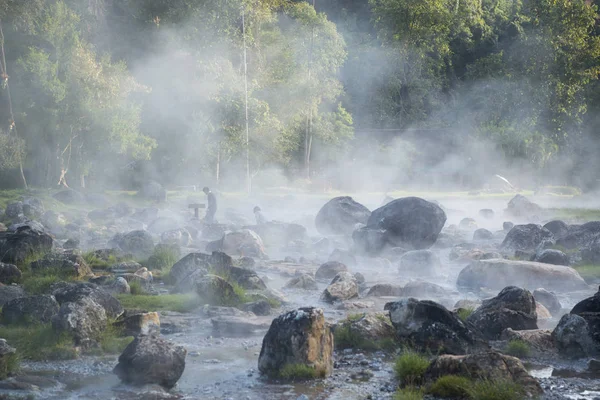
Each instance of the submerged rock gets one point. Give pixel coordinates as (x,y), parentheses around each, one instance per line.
(299,337)
(513,308)
(151,360)
(430,326)
(499,273)
(340,215)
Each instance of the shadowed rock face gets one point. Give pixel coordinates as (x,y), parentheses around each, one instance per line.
(340,215)
(430,326)
(299,337)
(589,310)
(409,222)
(572,337)
(37,309)
(151,360)
(513,308)
(16,246)
(525,238)
(499,273)
(487,365)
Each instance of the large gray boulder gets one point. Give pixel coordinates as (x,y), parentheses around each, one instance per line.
(589,309)
(10,292)
(84,319)
(496,274)
(299,337)
(410,222)
(572,337)
(513,308)
(552,256)
(72,292)
(13,210)
(16,246)
(429,326)
(151,360)
(340,215)
(525,238)
(521,207)
(31,309)
(213,289)
(343,287)
(330,269)
(137,243)
(304,281)
(68,263)
(580,236)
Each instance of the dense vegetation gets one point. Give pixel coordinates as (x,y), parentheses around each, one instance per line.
(102,89)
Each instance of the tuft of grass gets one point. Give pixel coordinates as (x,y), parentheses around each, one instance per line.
(463,313)
(163,258)
(25,264)
(169,302)
(496,390)
(347,338)
(355,317)
(136,288)
(112,340)
(40,281)
(451,387)
(39,342)
(9,365)
(590,273)
(410,367)
(408,394)
(301,372)
(518,348)
(95,262)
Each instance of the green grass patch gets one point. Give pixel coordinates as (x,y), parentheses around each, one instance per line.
(168,302)
(410,367)
(496,390)
(408,394)
(584,214)
(39,282)
(11,196)
(112,340)
(451,387)
(300,372)
(95,262)
(590,273)
(10,365)
(518,348)
(39,342)
(163,258)
(347,338)
(136,288)
(463,313)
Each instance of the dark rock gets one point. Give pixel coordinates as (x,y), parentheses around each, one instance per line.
(548,299)
(10,292)
(71,292)
(513,308)
(520,207)
(71,244)
(84,319)
(410,222)
(423,290)
(551,256)
(31,309)
(429,326)
(33,207)
(486,365)
(138,243)
(482,234)
(151,360)
(215,290)
(9,273)
(384,289)
(420,262)
(525,237)
(15,247)
(507,226)
(340,215)
(261,307)
(13,210)
(572,337)
(67,263)
(467,224)
(580,236)
(558,228)
(299,337)
(330,269)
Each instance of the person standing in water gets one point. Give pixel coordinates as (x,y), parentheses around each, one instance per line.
(260,218)
(211,210)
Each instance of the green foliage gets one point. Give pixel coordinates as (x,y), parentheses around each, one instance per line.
(163,258)
(168,302)
(496,390)
(9,365)
(410,367)
(300,372)
(345,337)
(451,387)
(39,342)
(463,313)
(112,340)
(590,273)
(408,394)
(518,348)
(95,262)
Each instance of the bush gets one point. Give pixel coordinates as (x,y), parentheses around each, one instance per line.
(163,258)
(300,372)
(496,390)
(408,394)
(518,348)
(451,387)
(410,367)
(463,313)
(168,302)
(136,288)
(39,342)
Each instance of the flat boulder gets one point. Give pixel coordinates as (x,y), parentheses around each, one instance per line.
(429,326)
(384,289)
(84,320)
(340,215)
(410,222)
(71,292)
(488,365)
(297,338)
(525,238)
(30,309)
(343,287)
(151,360)
(68,263)
(496,274)
(512,308)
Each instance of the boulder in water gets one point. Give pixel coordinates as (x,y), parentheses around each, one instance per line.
(151,360)
(410,222)
(297,338)
(340,215)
